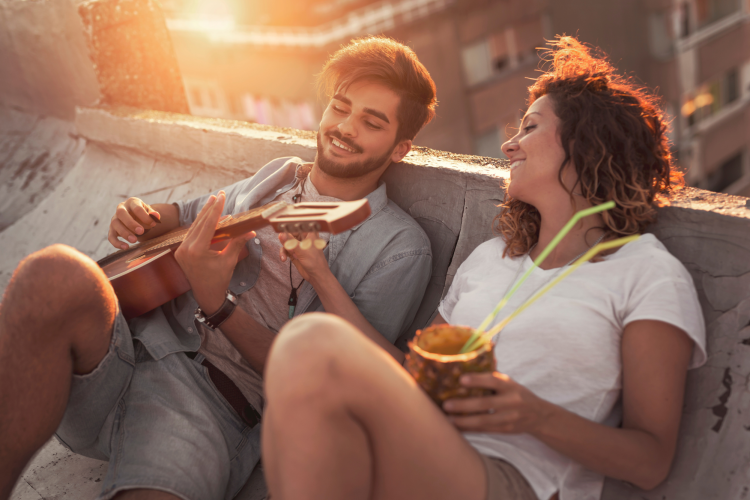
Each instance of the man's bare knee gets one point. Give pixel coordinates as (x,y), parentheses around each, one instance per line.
(57,279)
(60,292)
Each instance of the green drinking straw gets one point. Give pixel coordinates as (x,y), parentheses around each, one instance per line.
(585,258)
(538,262)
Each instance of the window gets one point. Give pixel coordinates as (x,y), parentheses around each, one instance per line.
(477,65)
(660,35)
(726,174)
(529,36)
(502,51)
(683,19)
(709,11)
(488,144)
(712,97)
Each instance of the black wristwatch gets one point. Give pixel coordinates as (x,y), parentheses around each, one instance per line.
(220,316)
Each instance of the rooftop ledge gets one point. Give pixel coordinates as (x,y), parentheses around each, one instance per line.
(245,147)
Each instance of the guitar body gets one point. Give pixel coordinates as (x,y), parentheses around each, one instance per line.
(146,275)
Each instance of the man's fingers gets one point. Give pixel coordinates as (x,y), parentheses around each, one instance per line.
(124,216)
(234,247)
(112,238)
(141,216)
(200,220)
(122,231)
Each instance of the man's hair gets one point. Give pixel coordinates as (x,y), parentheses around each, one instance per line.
(383,60)
(614,135)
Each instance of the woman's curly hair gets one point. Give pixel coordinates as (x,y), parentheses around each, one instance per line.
(614,135)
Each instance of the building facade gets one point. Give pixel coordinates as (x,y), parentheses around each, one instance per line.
(482,55)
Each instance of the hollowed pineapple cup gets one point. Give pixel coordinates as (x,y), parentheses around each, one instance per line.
(435,364)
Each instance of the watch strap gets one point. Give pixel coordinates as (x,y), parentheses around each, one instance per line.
(220,316)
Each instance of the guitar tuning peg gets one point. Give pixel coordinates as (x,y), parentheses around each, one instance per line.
(305,244)
(319,244)
(291,243)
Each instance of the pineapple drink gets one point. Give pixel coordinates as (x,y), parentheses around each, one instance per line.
(435,363)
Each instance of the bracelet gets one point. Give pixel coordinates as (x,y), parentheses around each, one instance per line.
(220,316)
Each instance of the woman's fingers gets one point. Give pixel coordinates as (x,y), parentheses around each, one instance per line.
(471,405)
(495,380)
(496,422)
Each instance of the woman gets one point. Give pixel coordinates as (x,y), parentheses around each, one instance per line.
(608,346)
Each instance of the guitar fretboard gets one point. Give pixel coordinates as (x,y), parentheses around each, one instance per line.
(176,236)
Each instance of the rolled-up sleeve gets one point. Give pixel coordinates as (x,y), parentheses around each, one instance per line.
(189,209)
(390,294)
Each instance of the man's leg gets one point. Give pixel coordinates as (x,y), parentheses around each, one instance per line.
(56,319)
(345,421)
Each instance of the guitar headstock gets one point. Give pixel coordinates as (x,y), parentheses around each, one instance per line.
(331,218)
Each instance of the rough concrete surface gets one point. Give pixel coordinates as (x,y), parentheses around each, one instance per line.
(133,55)
(44,63)
(162,157)
(55,473)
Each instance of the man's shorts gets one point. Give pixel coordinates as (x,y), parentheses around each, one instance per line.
(161,424)
(505,482)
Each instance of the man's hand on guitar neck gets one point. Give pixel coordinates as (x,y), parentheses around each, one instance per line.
(135,220)
(209,272)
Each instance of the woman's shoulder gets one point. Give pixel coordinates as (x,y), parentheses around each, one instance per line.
(485,255)
(648,253)
(490,249)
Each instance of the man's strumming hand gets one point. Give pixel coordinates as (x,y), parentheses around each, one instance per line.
(209,270)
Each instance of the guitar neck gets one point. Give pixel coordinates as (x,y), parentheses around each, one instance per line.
(244,222)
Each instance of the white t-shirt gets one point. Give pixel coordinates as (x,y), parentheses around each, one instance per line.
(566,346)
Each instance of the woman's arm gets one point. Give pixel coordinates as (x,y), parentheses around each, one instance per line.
(655,357)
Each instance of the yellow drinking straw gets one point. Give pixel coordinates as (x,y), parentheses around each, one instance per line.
(485,337)
(538,262)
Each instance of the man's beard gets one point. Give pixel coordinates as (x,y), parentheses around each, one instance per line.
(349,170)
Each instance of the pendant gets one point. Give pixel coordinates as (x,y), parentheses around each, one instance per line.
(291,311)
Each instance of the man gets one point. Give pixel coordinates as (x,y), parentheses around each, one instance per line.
(176,412)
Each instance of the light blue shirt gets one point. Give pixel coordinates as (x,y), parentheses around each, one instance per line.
(383,264)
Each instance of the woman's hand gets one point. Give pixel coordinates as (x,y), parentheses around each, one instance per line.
(513,409)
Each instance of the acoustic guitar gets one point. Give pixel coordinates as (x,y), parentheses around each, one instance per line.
(146,275)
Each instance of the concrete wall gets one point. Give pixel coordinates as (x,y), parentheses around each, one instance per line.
(44,63)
